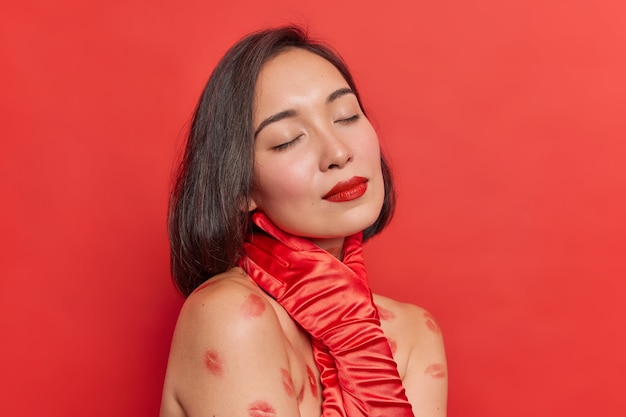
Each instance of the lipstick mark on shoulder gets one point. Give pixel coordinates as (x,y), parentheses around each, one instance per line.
(253,306)
(436,370)
(214,363)
(385,314)
(431,323)
(287,382)
(261,409)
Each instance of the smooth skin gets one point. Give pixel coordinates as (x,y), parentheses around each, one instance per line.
(324,138)
(236,351)
(254,351)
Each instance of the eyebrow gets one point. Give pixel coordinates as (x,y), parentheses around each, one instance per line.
(292,113)
(339,93)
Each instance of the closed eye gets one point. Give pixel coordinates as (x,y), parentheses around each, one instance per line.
(285,145)
(350,119)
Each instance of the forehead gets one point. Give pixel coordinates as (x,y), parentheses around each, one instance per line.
(297,59)
(295,74)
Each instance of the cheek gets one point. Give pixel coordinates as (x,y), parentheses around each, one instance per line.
(368,152)
(369,144)
(281,183)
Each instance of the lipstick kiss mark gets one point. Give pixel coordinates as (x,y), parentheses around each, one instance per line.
(261,409)
(312,380)
(431,323)
(393,346)
(287,382)
(213,362)
(301,394)
(254,306)
(385,314)
(437,370)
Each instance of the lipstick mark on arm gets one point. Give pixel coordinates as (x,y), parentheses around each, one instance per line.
(287,382)
(253,306)
(261,409)
(431,323)
(301,394)
(312,381)
(213,362)
(436,370)
(385,314)
(392,345)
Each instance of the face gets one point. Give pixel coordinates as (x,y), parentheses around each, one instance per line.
(317,171)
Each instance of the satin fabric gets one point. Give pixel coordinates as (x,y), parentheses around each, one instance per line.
(332,301)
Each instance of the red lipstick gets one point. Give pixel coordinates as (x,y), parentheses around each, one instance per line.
(348,190)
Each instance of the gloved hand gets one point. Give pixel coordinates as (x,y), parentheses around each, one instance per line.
(332,301)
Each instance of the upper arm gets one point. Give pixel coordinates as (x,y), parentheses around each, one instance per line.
(426,378)
(228,357)
(417,345)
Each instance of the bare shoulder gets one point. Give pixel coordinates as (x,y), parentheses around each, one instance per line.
(417,342)
(226,309)
(229,297)
(228,353)
(405,313)
(415,323)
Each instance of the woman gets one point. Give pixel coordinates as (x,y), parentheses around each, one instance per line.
(281,181)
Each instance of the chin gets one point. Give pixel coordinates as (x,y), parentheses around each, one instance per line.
(329,224)
(352,222)
(370,215)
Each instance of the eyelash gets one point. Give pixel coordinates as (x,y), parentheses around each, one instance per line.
(292,142)
(350,119)
(285,145)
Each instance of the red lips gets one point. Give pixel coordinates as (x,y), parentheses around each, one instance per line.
(348,190)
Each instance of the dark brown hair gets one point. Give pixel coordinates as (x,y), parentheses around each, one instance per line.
(206,223)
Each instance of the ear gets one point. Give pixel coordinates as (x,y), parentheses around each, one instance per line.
(252,205)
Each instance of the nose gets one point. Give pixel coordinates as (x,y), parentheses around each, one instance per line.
(335,154)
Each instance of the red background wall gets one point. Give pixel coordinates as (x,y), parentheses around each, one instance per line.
(504,122)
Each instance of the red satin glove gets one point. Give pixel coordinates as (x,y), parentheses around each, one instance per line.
(332,301)
(332,406)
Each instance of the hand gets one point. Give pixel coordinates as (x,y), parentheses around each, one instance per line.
(332,301)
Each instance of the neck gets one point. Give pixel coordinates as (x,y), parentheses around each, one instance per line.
(334,246)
